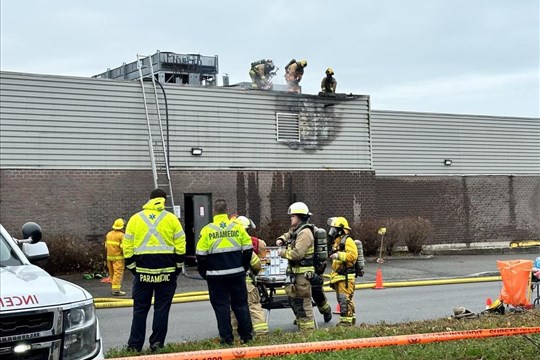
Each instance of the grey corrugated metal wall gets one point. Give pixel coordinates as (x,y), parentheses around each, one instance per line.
(410,143)
(72,122)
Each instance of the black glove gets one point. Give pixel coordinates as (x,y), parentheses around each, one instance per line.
(360,272)
(320,269)
(316,280)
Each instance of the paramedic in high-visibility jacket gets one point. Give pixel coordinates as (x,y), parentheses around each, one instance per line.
(154,248)
(223,255)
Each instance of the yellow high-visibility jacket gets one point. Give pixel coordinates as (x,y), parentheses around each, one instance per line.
(154,242)
(224,248)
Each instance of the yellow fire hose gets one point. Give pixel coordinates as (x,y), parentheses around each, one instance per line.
(109,303)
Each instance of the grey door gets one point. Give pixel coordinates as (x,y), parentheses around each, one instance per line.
(198,213)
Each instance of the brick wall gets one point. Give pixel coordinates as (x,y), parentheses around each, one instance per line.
(465,209)
(85,202)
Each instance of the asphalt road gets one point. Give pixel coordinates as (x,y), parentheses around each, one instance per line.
(196,320)
(193,321)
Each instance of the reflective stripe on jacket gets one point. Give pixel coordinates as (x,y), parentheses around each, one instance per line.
(254,267)
(222,246)
(300,249)
(113,244)
(346,259)
(154,242)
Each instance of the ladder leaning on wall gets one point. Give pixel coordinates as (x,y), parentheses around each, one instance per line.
(156,139)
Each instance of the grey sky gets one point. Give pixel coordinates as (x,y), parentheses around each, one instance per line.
(454,56)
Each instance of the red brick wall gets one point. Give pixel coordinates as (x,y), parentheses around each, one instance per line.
(85,202)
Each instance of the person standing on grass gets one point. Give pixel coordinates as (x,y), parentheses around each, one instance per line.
(154,249)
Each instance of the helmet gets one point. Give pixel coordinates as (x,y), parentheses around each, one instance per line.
(329,71)
(119,224)
(303,63)
(245,222)
(298,208)
(339,222)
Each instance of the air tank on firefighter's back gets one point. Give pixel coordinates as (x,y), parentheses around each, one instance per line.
(321,245)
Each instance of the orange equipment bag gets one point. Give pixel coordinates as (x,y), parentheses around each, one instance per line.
(516,278)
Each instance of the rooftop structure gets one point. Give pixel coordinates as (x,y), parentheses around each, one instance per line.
(169,67)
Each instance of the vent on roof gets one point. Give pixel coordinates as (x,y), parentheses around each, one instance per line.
(287,127)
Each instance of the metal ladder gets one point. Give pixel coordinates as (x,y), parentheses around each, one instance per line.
(156,139)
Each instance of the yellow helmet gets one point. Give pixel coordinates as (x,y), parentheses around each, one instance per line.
(303,63)
(245,222)
(298,208)
(339,222)
(329,71)
(119,224)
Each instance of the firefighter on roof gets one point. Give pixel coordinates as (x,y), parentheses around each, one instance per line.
(294,71)
(329,83)
(344,255)
(261,74)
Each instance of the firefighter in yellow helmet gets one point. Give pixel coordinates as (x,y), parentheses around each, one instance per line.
(261,73)
(115,257)
(258,316)
(293,75)
(299,251)
(154,249)
(329,83)
(344,254)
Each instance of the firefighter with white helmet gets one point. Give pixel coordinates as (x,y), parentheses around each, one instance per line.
(115,256)
(299,251)
(329,83)
(258,316)
(344,255)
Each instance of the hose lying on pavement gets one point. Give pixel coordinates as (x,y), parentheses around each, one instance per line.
(107,303)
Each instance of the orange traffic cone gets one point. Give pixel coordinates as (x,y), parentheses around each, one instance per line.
(378,280)
(338,309)
(488,303)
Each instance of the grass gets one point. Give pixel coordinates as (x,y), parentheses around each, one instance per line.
(500,348)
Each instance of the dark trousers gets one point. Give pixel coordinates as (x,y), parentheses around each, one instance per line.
(226,293)
(318,296)
(163,293)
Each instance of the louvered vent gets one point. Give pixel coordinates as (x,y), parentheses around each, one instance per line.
(287,127)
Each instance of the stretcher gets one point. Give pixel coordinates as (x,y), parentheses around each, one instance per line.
(271,279)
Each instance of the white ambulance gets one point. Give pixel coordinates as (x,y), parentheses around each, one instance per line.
(42,317)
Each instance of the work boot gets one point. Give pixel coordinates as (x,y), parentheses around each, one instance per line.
(327,316)
(118,293)
(155,347)
(132,349)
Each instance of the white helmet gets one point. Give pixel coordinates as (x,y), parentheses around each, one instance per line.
(298,208)
(245,222)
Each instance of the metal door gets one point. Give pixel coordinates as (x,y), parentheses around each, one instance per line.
(198,213)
